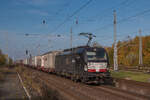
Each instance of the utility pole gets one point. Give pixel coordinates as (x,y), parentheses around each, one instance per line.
(72,60)
(140,49)
(38,49)
(7,56)
(115,43)
(71,38)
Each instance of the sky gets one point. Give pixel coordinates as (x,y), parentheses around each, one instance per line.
(21,17)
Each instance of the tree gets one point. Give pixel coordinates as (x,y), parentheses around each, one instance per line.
(128,52)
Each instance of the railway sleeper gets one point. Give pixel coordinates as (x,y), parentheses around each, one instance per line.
(97,80)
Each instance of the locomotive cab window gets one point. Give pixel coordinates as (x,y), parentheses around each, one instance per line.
(96,55)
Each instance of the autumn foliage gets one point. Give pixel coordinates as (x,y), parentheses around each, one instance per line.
(2,58)
(128,52)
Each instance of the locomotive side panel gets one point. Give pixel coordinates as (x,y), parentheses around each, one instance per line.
(59,64)
(65,65)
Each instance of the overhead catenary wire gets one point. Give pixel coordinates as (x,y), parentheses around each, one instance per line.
(113,7)
(110,8)
(62,8)
(124,19)
(74,13)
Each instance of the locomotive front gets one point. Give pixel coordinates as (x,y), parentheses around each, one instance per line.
(97,65)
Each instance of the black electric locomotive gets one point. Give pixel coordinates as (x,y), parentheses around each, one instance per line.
(84,63)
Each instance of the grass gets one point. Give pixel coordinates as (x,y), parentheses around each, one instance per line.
(3,71)
(30,80)
(37,89)
(137,76)
(1,76)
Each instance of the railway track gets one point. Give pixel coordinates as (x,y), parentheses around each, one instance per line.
(123,93)
(64,89)
(135,69)
(133,86)
(79,91)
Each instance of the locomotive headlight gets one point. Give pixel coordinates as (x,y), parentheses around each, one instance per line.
(105,64)
(73,61)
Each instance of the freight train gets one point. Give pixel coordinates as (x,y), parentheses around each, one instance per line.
(84,63)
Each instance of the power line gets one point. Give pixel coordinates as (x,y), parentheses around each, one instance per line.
(101,16)
(78,10)
(138,14)
(117,6)
(62,8)
(125,19)
(113,7)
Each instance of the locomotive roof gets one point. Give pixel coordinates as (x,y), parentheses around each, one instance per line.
(79,49)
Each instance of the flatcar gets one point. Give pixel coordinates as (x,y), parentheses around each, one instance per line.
(84,63)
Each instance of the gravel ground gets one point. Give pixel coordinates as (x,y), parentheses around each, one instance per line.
(60,88)
(78,91)
(11,88)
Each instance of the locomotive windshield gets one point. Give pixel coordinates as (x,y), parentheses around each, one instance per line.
(96,55)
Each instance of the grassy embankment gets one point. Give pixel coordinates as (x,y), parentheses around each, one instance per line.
(137,76)
(38,89)
(4,71)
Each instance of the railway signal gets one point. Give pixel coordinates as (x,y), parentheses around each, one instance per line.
(26,34)
(44,22)
(58,35)
(26,52)
(77,21)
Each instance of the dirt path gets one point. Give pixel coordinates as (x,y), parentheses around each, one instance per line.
(11,88)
